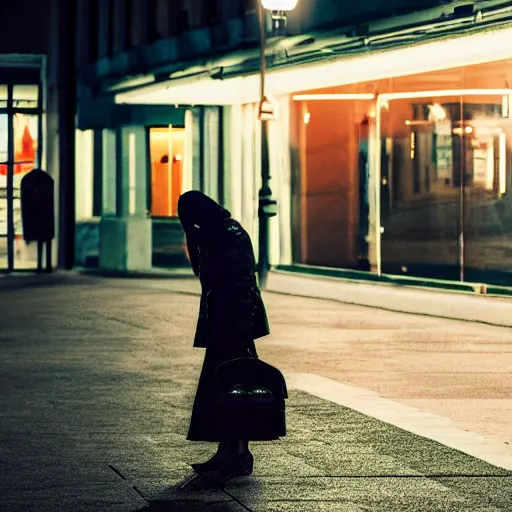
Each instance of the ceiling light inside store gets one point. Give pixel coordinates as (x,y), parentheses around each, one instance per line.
(323,97)
(467,130)
(279,5)
(436,112)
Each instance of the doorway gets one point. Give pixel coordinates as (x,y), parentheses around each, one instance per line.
(166,145)
(20,152)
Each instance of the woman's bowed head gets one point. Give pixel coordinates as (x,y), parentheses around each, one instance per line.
(231,316)
(199,212)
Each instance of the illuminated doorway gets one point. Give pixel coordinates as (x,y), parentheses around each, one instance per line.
(20,152)
(167,145)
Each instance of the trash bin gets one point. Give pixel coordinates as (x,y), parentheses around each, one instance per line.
(38,213)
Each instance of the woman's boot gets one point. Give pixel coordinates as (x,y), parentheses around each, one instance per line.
(232,457)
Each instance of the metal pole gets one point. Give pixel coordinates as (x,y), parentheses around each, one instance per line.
(461,241)
(374,192)
(265,191)
(378,176)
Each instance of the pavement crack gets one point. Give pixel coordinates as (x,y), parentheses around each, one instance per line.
(234,498)
(117,471)
(140,494)
(455,475)
(126,322)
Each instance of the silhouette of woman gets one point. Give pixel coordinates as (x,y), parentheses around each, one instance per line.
(232,315)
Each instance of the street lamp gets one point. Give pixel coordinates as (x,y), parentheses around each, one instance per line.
(267,207)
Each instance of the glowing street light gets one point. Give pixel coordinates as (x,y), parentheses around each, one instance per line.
(279,5)
(267,207)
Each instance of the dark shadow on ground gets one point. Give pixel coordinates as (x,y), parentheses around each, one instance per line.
(201,495)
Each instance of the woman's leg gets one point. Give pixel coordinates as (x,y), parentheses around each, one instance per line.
(233,447)
(232,457)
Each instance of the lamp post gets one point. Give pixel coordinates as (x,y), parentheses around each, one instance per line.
(267,207)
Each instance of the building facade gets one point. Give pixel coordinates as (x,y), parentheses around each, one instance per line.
(391,152)
(37,121)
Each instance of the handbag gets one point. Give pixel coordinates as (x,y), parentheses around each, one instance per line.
(249,398)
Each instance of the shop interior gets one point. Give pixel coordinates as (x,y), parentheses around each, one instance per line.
(441,145)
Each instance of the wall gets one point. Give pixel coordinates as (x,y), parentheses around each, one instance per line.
(330,182)
(25,26)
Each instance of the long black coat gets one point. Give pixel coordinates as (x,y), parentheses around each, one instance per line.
(229,287)
(232,315)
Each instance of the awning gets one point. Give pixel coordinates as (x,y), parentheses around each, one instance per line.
(461,50)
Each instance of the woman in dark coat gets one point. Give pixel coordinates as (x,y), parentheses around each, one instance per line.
(232,315)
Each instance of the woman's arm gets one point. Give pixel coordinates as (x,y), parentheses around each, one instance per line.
(193,255)
(241,286)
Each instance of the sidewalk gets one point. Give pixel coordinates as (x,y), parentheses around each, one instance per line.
(455,305)
(97,381)
(459,303)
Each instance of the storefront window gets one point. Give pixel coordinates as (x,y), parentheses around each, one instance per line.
(420,187)
(444,170)
(25,96)
(25,151)
(3,96)
(166,149)
(3,142)
(3,190)
(487,202)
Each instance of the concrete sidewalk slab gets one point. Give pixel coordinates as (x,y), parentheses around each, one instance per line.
(442,304)
(428,425)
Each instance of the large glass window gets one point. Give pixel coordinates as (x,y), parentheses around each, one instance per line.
(25,151)
(3,147)
(3,96)
(442,152)
(445,198)
(20,122)
(166,150)
(3,188)
(25,96)
(420,186)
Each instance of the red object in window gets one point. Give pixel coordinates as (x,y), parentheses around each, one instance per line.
(26,157)
(27,145)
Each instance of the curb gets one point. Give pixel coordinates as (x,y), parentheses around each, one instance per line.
(476,288)
(176,273)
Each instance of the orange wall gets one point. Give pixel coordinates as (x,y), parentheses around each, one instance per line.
(330,183)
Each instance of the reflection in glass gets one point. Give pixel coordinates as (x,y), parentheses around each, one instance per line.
(487,201)
(446,174)
(420,187)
